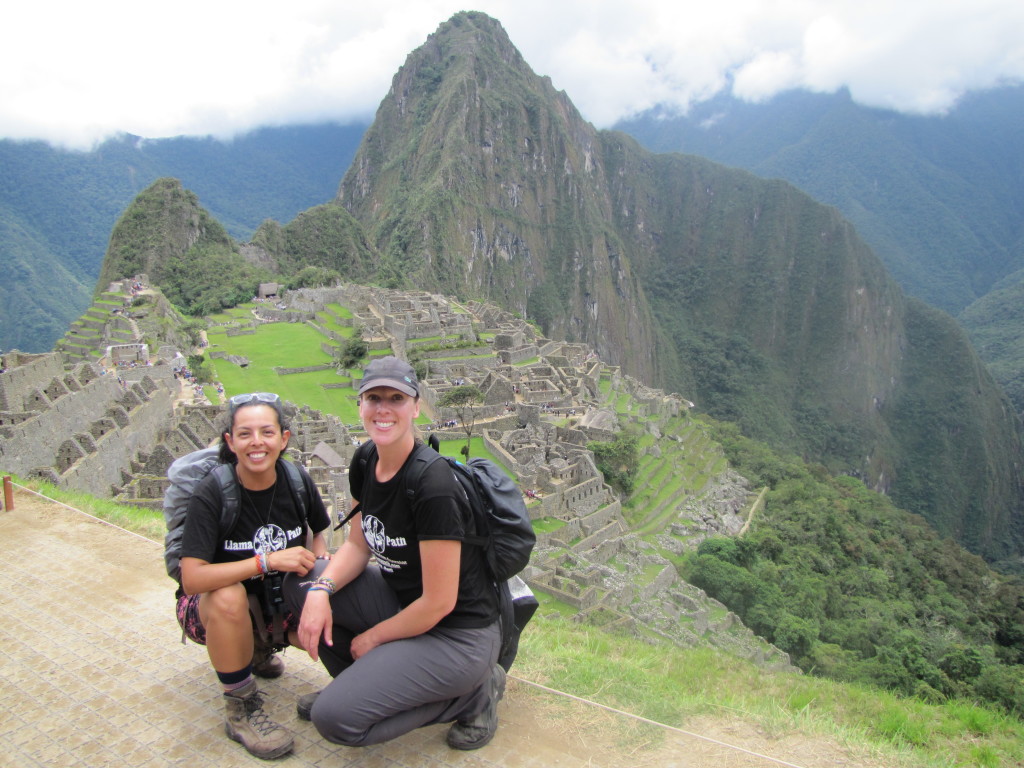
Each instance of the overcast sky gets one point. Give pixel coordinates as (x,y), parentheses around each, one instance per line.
(74,72)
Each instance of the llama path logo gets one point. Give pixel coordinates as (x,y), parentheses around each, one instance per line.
(269,538)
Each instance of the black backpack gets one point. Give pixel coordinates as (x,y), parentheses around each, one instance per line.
(503,529)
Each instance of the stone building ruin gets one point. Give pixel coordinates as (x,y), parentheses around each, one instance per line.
(113,432)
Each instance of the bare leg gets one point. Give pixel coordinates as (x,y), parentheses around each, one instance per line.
(225,615)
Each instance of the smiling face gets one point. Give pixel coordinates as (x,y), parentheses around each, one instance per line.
(257,439)
(387,416)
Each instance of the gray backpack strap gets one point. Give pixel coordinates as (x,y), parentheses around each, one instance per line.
(230,497)
(297,488)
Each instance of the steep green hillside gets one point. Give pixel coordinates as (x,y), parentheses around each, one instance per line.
(758,303)
(858,590)
(37,289)
(326,236)
(995,323)
(957,477)
(938,198)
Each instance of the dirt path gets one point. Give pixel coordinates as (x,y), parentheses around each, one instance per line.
(140,698)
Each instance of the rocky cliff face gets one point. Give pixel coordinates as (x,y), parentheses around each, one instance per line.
(480,180)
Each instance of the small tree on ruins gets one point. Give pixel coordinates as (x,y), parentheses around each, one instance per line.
(352,351)
(462,400)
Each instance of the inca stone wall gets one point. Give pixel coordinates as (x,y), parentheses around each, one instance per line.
(78,427)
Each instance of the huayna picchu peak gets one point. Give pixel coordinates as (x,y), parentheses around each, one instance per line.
(479,179)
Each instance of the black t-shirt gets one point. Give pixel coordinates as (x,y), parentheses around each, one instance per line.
(267,521)
(393,528)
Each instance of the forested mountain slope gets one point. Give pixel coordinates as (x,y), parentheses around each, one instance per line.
(762,305)
(57,207)
(938,198)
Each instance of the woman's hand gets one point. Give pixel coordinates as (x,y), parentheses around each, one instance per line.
(363,644)
(316,623)
(440,559)
(293,560)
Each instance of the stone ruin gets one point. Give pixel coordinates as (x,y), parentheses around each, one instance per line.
(114,434)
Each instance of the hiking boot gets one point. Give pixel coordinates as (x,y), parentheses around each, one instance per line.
(479,730)
(304,705)
(266,663)
(248,724)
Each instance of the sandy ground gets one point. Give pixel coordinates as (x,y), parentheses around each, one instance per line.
(93,673)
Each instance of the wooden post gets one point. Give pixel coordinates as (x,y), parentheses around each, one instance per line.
(8,494)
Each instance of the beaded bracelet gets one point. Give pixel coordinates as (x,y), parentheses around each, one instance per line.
(324,581)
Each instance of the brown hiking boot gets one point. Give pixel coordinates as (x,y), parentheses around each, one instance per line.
(248,724)
(266,663)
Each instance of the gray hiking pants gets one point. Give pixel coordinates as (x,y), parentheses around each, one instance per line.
(437,677)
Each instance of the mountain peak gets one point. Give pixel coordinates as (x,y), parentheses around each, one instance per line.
(161,224)
(479,180)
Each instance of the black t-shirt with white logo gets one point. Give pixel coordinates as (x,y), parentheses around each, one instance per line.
(394,527)
(260,528)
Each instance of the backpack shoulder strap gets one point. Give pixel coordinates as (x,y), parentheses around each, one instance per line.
(422,457)
(297,487)
(365,451)
(230,504)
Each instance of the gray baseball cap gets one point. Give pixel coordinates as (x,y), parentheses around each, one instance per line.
(390,372)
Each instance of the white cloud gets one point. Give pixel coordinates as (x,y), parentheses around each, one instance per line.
(75,72)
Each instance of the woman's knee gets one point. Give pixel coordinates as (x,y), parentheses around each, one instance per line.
(229,605)
(336,727)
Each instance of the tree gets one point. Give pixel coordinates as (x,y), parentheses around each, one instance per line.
(353,350)
(618,461)
(311,277)
(201,369)
(462,400)
(193,330)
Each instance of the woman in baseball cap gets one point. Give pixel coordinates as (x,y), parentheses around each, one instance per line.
(404,615)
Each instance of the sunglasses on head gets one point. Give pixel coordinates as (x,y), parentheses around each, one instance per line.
(261,397)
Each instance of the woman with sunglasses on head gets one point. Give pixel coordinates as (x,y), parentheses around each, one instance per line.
(221,569)
(412,637)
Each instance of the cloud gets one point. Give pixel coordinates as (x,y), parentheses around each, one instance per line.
(75,73)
